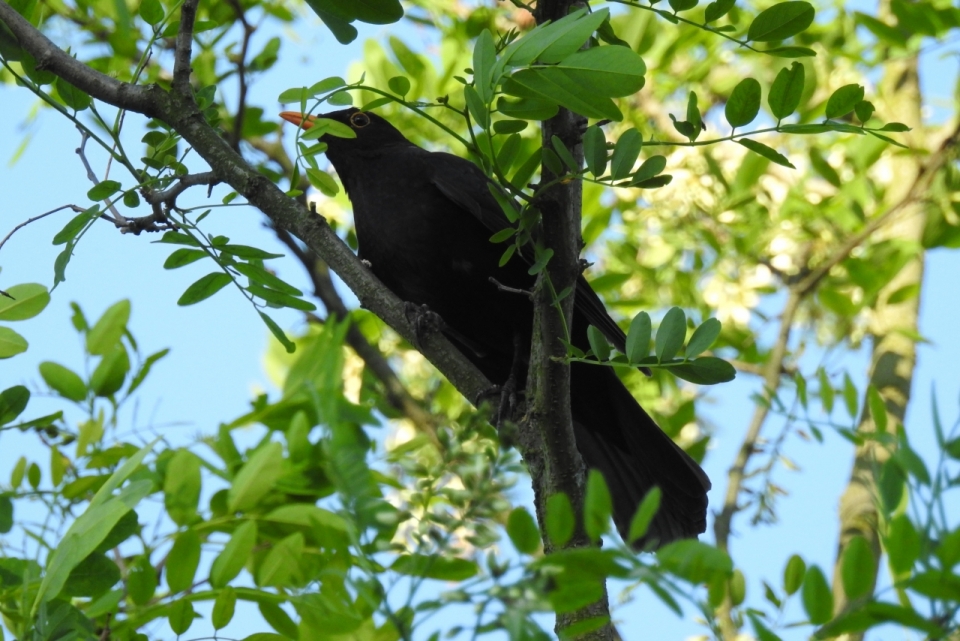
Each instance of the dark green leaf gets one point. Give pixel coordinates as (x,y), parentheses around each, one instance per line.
(183,560)
(559,519)
(523,531)
(71,96)
(817,597)
(649,169)
(767,152)
(857,568)
(625,154)
(597,505)
(595,150)
(598,343)
(706,370)
(13,401)
(92,577)
(435,567)
(703,338)
(509,150)
(864,110)
(478,110)
(151,11)
(509,126)
(399,85)
(682,5)
(484,59)
(670,334)
(103,190)
(248,253)
(781,21)
(786,91)
(638,337)
(644,515)
(204,288)
(718,9)
(183,256)
(791,52)
(178,238)
(744,103)
(843,100)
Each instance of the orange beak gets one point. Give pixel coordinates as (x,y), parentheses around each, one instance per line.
(297,118)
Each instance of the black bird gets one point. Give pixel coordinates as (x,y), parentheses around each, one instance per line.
(423,222)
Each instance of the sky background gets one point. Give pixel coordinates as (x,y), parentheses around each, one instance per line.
(215,366)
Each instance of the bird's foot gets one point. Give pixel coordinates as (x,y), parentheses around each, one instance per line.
(423,319)
(366,263)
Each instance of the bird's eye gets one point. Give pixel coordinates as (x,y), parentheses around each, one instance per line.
(360,120)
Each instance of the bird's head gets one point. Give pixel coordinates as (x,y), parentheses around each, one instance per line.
(372,131)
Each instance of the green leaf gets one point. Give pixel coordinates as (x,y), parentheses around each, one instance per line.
(597,505)
(484,59)
(625,154)
(541,262)
(823,167)
(248,253)
(638,337)
(706,370)
(850,396)
(703,338)
(24,301)
(817,597)
(223,608)
(204,288)
(145,369)
(184,256)
(278,333)
(281,565)
(323,182)
(235,554)
(63,381)
(670,334)
(369,11)
(93,525)
(695,561)
(553,42)
(682,5)
(791,52)
(77,223)
(744,103)
(936,585)
(716,10)
(765,151)
(528,108)
(649,169)
(178,238)
(91,577)
(843,100)
(857,568)
(509,150)
(256,477)
(435,567)
(598,343)
(11,343)
(559,519)
(278,619)
(509,126)
(259,275)
(181,487)
(478,110)
(279,299)
(342,30)
(523,532)
(644,515)
(103,190)
(902,545)
(781,21)
(399,85)
(151,11)
(106,333)
(864,110)
(6,514)
(13,401)
(793,574)
(71,96)
(786,91)
(142,581)
(183,560)
(111,372)
(595,150)
(564,153)
(180,615)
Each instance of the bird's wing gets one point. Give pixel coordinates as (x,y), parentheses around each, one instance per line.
(467,186)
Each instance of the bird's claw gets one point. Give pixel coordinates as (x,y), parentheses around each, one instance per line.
(423,319)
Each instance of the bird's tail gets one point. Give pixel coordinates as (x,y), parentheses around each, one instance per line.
(618,438)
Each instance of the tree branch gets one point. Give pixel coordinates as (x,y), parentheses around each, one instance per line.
(180,113)
(51,58)
(183,50)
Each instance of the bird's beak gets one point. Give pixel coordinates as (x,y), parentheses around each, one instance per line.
(297,118)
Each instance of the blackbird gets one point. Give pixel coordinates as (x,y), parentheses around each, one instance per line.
(424,221)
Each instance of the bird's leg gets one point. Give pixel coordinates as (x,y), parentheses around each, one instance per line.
(423,319)
(510,290)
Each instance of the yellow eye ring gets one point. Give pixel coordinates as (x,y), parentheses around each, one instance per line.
(359,120)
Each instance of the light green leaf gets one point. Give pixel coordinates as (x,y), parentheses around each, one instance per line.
(24,301)
(106,333)
(204,288)
(781,21)
(63,381)
(256,477)
(235,554)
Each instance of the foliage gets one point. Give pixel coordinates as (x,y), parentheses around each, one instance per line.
(325,524)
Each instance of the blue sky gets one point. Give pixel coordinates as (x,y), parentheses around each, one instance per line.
(215,364)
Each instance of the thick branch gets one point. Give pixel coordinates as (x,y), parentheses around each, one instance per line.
(51,58)
(180,113)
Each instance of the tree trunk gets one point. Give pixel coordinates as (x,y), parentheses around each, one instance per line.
(894,353)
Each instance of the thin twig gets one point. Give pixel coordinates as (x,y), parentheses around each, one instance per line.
(241,73)
(118,218)
(36,218)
